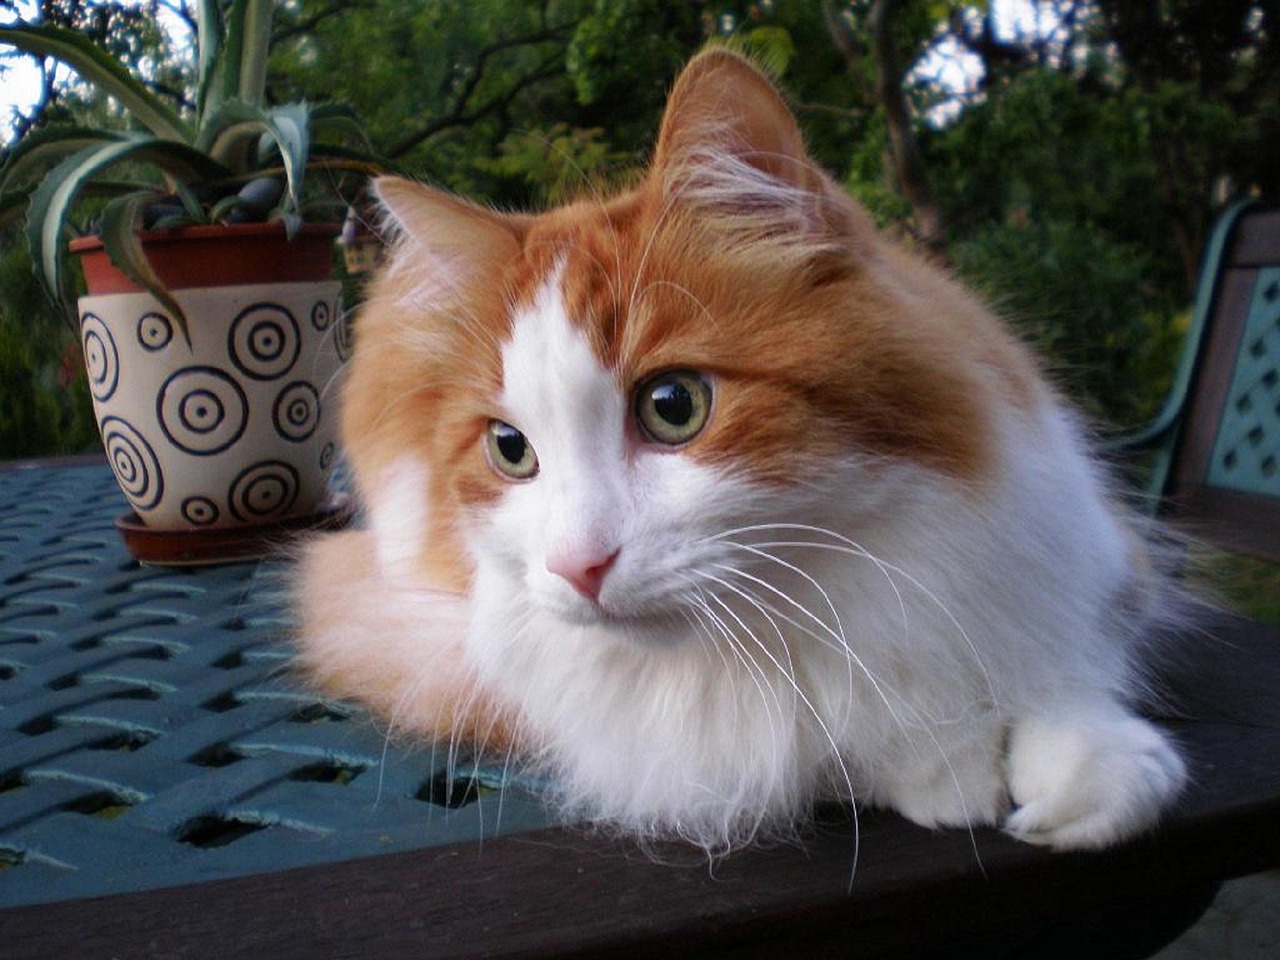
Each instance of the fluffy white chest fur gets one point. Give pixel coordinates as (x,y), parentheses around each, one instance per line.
(592,543)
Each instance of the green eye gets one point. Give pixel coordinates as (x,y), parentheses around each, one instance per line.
(673,407)
(510,452)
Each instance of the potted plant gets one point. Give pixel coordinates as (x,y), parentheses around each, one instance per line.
(212,330)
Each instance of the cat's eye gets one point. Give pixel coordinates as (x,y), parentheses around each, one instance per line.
(510,451)
(673,407)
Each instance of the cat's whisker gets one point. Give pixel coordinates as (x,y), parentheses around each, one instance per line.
(709,644)
(851,547)
(782,640)
(838,632)
(508,761)
(409,695)
(331,383)
(927,727)
(866,554)
(836,754)
(923,721)
(857,550)
(741,654)
(841,641)
(761,679)
(479,748)
(841,646)
(753,668)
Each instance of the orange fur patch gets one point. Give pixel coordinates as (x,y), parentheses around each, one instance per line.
(339,580)
(822,341)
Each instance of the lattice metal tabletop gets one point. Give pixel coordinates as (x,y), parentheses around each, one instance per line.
(150,733)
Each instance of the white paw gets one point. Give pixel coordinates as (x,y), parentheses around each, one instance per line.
(953,785)
(1089,778)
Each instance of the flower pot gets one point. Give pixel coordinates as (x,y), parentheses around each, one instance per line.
(225,443)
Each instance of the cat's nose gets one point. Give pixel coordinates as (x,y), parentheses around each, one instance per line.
(584,570)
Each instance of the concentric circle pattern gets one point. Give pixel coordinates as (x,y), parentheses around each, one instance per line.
(133,462)
(297,411)
(100,356)
(202,410)
(154,331)
(321,315)
(200,511)
(264,491)
(221,425)
(264,341)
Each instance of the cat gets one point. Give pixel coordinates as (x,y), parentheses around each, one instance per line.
(712,503)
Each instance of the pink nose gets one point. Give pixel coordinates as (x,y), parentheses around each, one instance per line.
(585,571)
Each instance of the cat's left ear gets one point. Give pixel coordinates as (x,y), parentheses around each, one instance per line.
(730,145)
(449,231)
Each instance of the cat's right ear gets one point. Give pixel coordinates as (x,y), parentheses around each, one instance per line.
(730,148)
(448,231)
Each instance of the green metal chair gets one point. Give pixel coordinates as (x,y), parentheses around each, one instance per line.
(1216,440)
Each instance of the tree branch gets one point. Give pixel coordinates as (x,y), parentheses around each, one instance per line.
(905,163)
(302,27)
(461,114)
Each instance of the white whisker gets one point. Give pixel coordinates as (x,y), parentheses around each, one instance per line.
(850,547)
(836,755)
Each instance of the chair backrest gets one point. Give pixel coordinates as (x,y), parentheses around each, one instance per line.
(1223,469)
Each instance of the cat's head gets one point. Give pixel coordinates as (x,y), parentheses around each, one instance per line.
(585,404)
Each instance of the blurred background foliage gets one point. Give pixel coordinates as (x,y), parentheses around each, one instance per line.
(1067,157)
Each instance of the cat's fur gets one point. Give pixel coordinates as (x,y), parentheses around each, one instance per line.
(886,568)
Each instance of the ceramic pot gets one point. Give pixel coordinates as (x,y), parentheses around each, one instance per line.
(234,433)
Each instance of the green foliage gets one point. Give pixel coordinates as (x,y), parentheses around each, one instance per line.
(1086,303)
(606,68)
(1248,585)
(1048,147)
(769,46)
(44,397)
(28,413)
(866,180)
(557,164)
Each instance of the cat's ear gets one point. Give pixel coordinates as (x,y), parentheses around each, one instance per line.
(450,231)
(722,103)
(730,145)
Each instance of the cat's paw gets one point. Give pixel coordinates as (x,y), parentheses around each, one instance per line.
(1089,779)
(963,787)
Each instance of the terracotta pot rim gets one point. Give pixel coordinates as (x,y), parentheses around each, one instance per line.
(211,231)
(216,255)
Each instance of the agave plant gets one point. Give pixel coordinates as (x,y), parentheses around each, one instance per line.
(235,159)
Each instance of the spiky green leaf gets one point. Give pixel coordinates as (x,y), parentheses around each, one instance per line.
(209,62)
(101,70)
(239,127)
(52,201)
(255,44)
(120,219)
(231,132)
(43,147)
(190,202)
(230,53)
(289,132)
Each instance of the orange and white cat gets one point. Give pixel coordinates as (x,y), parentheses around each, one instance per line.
(709,502)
